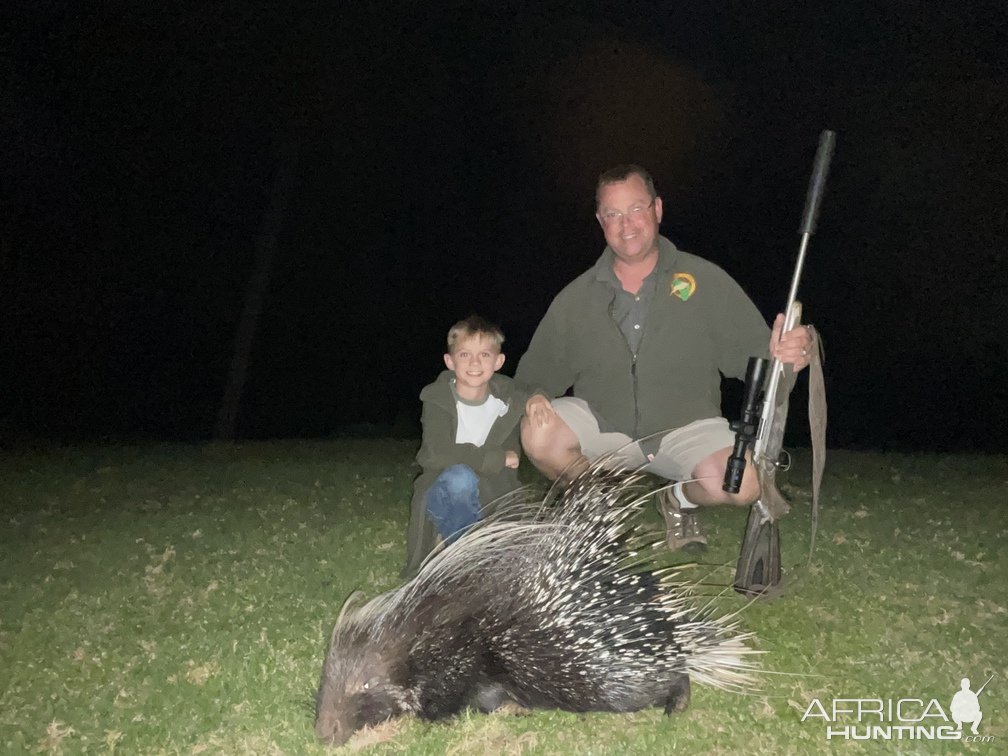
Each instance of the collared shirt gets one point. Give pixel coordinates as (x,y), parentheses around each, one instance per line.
(629,311)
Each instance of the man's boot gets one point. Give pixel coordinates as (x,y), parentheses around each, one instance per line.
(682,527)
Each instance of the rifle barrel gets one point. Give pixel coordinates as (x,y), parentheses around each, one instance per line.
(817,184)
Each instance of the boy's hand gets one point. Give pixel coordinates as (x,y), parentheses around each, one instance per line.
(511,459)
(539,410)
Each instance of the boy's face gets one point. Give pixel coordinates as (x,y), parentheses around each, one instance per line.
(474,360)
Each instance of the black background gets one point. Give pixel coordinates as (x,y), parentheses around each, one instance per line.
(447,161)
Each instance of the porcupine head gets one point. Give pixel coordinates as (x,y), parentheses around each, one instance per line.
(362,675)
(372,671)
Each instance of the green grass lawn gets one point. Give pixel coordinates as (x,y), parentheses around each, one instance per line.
(178,599)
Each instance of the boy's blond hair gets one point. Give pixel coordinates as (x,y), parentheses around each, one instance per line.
(474,325)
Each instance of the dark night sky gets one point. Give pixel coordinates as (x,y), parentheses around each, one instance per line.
(447,156)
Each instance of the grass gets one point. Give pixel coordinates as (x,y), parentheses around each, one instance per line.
(177,599)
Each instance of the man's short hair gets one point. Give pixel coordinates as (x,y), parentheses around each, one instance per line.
(475,325)
(621,173)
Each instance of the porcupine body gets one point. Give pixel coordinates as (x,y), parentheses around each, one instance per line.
(548,606)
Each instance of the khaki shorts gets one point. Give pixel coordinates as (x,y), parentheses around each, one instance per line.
(678,453)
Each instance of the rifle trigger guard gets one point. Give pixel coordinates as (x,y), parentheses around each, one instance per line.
(784,461)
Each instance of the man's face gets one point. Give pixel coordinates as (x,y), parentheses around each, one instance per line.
(629,218)
(474,360)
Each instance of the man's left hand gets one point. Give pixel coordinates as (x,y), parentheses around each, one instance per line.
(794,347)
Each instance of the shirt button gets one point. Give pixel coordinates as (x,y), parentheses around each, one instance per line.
(636,299)
(636,326)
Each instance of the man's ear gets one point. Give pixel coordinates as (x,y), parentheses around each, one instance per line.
(449,362)
(658,208)
(499,362)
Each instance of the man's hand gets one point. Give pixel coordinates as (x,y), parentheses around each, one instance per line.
(538,410)
(511,459)
(793,347)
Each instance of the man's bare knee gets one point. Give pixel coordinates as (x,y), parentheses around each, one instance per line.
(748,491)
(552,447)
(709,475)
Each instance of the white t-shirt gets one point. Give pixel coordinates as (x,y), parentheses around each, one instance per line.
(476,419)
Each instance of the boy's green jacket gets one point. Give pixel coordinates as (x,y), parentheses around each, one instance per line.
(438,450)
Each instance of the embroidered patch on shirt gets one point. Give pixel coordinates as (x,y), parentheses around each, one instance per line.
(683,286)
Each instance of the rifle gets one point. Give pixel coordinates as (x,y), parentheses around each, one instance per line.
(984,686)
(762,429)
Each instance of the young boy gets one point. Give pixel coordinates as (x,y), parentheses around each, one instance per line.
(471,446)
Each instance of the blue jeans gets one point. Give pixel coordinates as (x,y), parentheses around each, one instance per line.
(453,501)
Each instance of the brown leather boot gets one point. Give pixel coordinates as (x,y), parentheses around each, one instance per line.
(682,528)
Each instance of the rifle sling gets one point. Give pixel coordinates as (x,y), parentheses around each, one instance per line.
(817,426)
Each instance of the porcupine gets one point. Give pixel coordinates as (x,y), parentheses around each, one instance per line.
(547,605)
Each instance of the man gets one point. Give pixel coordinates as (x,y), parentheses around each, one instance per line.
(641,338)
